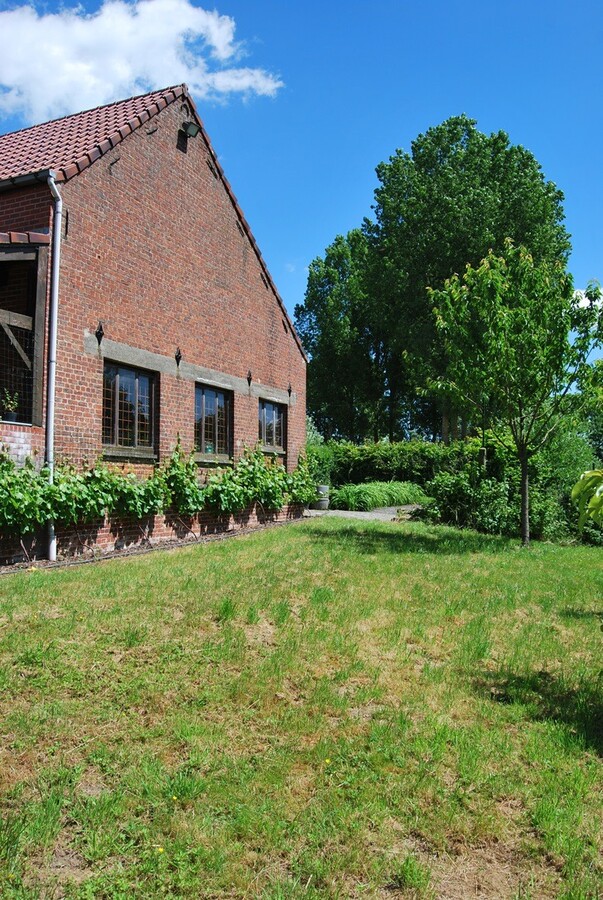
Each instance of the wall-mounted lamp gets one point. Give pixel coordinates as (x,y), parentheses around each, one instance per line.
(191,129)
(249,377)
(178,356)
(99,333)
(289,390)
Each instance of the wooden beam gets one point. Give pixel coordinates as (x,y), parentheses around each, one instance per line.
(15,319)
(38,355)
(16,345)
(8,254)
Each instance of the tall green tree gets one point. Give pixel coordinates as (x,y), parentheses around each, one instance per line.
(345,381)
(517,338)
(366,319)
(593,410)
(458,194)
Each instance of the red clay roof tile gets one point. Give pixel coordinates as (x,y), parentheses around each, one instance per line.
(69,144)
(24,237)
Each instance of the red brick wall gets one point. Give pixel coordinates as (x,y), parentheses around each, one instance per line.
(121,534)
(153,251)
(26,209)
(22,442)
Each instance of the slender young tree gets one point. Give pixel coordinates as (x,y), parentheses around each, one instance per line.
(517,338)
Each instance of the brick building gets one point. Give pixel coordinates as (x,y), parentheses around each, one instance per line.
(168,323)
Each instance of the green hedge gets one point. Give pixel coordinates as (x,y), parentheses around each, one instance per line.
(340,463)
(28,501)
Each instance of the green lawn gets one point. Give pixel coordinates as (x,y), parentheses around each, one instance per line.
(330,709)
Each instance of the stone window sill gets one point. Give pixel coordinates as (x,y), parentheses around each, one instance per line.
(130,454)
(209,460)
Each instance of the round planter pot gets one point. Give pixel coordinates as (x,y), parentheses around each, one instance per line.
(322,497)
(9,416)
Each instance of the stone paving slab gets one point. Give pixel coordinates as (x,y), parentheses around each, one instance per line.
(383,514)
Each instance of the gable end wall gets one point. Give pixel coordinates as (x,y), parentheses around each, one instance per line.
(153,250)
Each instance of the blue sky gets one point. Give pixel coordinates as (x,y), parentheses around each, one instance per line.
(303,99)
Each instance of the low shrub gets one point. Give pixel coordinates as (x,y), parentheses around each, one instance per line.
(136,498)
(375,494)
(301,485)
(254,479)
(24,498)
(321,462)
(180,475)
(470,499)
(80,496)
(463,492)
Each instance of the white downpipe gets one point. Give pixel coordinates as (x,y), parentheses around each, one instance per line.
(52,345)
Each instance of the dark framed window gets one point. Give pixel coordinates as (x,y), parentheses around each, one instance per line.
(272,423)
(213,411)
(129,406)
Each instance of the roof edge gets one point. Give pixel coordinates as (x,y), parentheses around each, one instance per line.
(39,177)
(169,96)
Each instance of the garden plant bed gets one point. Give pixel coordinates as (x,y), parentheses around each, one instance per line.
(341,709)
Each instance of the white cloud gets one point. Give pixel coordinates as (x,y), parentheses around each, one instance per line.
(57,63)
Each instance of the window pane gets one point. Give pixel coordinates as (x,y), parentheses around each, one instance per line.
(278,426)
(109,404)
(269,425)
(145,422)
(222,423)
(212,422)
(272,424)
(198,417)
(209,424)
(127,407)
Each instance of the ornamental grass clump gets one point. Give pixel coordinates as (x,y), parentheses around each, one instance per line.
(364,497)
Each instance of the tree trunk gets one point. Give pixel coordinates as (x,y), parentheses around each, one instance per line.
(445,426)
(525,499)
(454,424)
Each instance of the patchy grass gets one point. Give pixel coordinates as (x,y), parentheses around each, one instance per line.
(335,709)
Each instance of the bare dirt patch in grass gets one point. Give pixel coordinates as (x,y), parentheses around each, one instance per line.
(54,876)
(491,873)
